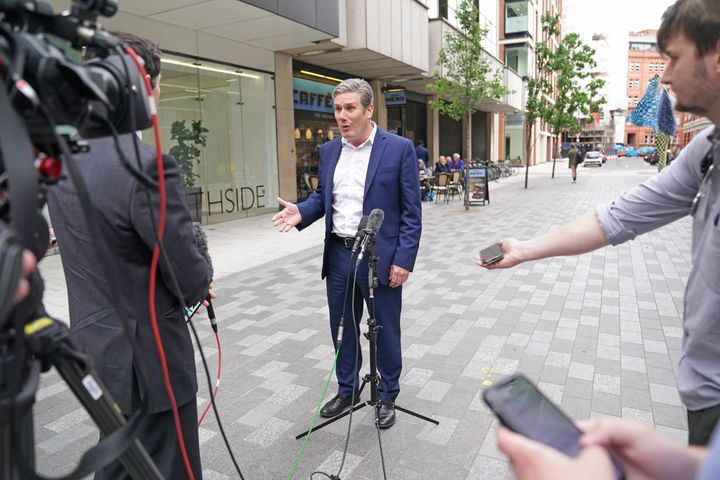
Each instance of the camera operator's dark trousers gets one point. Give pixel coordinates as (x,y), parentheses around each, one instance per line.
(160,440)
(701,424)
(388,304)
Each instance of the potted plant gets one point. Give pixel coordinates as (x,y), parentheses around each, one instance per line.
(186,153)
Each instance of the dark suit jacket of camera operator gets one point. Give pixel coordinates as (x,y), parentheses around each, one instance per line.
(124,217)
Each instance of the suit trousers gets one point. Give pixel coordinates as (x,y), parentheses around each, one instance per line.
(388,305)
(159,439)
(701,424)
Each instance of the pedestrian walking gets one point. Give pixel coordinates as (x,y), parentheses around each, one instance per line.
(573,157)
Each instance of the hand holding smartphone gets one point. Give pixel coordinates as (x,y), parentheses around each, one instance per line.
(491,254)
(523,408)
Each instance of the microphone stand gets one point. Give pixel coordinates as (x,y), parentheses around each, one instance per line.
(372,378)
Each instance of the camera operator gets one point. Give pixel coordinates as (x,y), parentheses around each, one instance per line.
(125,211)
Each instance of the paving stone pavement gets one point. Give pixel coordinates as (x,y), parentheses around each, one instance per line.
(600,333)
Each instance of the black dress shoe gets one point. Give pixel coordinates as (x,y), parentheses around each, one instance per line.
(386,416)
(337,405)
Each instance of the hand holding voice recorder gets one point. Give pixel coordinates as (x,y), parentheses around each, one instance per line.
(491,254)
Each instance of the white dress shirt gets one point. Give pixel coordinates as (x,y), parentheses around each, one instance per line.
(349,185)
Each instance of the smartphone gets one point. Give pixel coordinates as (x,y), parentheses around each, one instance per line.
(491,254)
(524,409)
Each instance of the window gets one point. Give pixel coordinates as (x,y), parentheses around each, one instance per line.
(236,173)
(516,57)
(643,46)
(443,9)
(516,17)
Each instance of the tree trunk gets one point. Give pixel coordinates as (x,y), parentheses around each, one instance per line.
(553,159)
(528,146)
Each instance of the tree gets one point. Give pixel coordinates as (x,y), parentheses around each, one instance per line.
(564,90)
(464,75)
(188,148)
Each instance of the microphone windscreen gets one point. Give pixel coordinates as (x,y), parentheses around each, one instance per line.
(202,245)
(376,219)
(363,223)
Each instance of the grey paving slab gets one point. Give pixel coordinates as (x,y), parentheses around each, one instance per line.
(600,332)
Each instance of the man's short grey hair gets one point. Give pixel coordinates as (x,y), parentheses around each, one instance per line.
(356,85)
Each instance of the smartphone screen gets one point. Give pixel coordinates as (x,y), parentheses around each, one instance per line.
(521,407)
(491,254)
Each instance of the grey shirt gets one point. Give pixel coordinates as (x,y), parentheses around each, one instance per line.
(663,199)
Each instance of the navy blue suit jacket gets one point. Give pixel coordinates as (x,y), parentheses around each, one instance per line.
(391,185)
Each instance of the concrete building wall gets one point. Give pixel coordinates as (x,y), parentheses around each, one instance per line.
(285,112)
(394,29)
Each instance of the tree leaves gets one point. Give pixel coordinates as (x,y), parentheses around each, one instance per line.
(574,95)
(464,75)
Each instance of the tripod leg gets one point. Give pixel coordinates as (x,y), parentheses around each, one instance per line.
(20,440)
(332,420)
(106,414)
(414,414)
(16,426)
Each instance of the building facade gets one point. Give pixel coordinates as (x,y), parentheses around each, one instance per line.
(258,75)
(692,125)
(520,31)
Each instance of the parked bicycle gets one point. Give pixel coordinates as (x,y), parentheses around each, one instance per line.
(492,169)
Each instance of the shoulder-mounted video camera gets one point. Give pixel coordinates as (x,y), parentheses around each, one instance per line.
(48,97)
(42,81)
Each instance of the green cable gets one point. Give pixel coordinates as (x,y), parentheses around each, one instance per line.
(314,418)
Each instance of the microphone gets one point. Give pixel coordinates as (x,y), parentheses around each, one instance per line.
(360,234)
(373,226)
(202,245)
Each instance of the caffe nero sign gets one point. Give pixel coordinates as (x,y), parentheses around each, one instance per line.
(312,96)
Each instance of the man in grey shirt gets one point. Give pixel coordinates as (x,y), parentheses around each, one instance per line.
(690,37)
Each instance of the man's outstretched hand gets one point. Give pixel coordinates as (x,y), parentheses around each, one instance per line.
(288,218)
(512,255)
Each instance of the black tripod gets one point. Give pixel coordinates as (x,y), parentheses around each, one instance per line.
(47,339)
(372,378)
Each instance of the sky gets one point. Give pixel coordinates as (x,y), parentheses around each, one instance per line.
(615,19)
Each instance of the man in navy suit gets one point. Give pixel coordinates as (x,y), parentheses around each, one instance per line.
(366,168)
